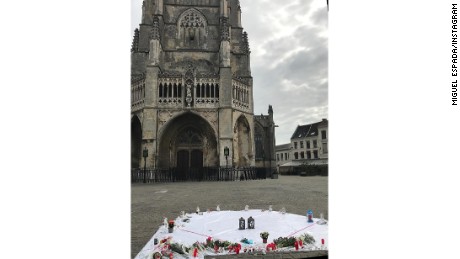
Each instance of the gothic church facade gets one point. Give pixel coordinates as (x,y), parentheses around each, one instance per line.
(192,89)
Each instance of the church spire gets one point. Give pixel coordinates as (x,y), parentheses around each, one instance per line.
(245,40)
(135,45)
(224,34)
(154,37)
(155,33)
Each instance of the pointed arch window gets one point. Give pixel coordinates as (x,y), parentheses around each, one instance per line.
(192,29)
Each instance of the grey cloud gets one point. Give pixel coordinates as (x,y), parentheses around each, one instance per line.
(256,33)
(309,36)
(306,66)
(320,17)
(304,36)
(307,101)
(301,7)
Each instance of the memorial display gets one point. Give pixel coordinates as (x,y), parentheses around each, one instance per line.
(216,233)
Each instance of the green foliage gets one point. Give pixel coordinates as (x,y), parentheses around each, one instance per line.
(177,248)
(199,245)
(312,170)
(284,241)
(220,243)
(225,244)
(290,241)
(307,239)
(264,235)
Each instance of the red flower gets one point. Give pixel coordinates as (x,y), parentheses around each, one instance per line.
(237,248)
(271,246)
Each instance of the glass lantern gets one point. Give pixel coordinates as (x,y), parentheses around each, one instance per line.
(251,223)
(242,224)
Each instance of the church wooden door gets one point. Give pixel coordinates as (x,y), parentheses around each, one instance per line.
(197,159)
(182,164)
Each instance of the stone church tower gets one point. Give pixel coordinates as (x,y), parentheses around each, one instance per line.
(191,86)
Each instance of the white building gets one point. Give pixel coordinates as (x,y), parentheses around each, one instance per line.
(309,144)
(283,155)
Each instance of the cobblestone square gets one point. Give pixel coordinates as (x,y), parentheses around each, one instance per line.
(151,202)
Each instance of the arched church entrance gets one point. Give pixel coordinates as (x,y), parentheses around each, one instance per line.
(187,145)
(189,148)
(136,142)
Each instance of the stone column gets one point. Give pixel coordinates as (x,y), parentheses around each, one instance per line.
(154,46)
(225,82)
(239,17)
(159,7)
(252,151)
(149,125)
(223,8)
(271,138)
(225,115)
(224,54)
(149,135)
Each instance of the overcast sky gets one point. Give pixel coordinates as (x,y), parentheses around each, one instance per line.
(289,59)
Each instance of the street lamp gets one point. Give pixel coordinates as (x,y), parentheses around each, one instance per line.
(226,153)
(145,154)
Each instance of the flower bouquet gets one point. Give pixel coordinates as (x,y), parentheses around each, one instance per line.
(264,236)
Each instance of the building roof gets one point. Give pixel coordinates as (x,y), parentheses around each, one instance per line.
(283,147)
(308,130)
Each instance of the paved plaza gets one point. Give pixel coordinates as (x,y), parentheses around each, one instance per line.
(151,202)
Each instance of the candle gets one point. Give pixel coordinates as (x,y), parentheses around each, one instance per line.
(195,252)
